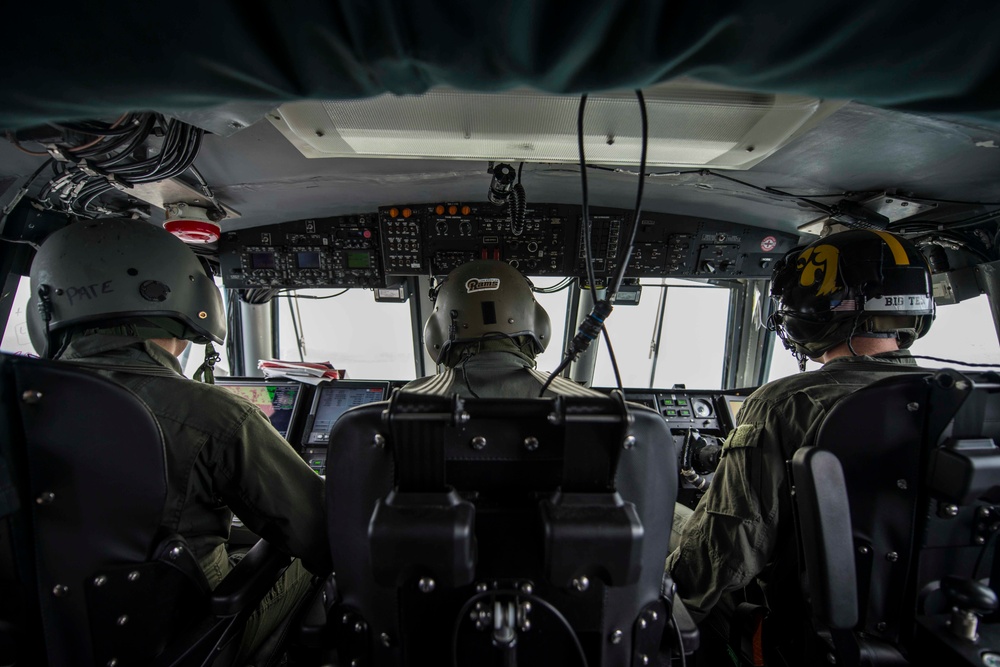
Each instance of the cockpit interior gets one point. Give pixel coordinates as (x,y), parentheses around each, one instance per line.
(331,163)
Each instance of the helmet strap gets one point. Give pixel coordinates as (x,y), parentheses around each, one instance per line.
(206,372)
(45,310)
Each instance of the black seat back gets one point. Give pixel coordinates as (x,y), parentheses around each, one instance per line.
(98,580)
(445,512)
(911,522)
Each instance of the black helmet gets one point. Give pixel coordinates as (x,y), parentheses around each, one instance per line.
(483,299)
(113,271)
(854,283)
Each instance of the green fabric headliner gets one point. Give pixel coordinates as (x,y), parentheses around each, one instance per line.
(93,60)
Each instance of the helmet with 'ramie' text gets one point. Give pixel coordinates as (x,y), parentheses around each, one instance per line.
(485,299)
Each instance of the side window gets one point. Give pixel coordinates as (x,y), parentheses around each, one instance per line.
(555,305)
(962,331)
(15,335)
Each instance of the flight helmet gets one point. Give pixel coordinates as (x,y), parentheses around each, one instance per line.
(852,283)
(115,271)
(485,299)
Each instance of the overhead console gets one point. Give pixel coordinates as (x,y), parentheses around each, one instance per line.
(341,251)
(421,239)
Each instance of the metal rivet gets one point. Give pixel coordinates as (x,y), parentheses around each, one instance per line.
(526,625)
(643,624)
(949,510)
(991,659)
(629,442)
(175,552)
(980,539)
(386,639)
(479,442)
(892,556)
(122,620)
(961,385)
(463,417)
(527,588)
(426,585)
(881,626)
(379,440)
(901,483)
(133,575)
(359,627)
(355,663)
(60,590)
(913,407)
(616,637)
(864,550)
(203,315)
(112,663)
(653,616)
(345,619)
(100,580)
(531,443)
(581,584)
(45,498)
(553,418)
(643,659)
(481,587)
(984,512)
(510,320)
(31,396)
(831,658)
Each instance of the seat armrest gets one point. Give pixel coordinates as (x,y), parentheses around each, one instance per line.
(824,524)
(249,581)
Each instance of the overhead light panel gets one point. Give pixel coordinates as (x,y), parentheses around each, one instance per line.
(690,125)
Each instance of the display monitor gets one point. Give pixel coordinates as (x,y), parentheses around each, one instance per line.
(731,405)
(280,400)
(333,399)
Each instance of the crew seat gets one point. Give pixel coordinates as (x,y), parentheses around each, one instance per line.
(87,578)
(898,508)
(506,531)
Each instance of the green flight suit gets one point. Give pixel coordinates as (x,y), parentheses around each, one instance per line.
(742,528)
(493,368)
(222,455)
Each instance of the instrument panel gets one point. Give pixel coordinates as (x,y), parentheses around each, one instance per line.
(341,251)
(380,248)
(699,422)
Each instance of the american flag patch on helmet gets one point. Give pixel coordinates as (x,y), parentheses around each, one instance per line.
(846,304)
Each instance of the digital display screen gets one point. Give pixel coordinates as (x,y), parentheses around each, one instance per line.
(277,401)
(262,260)
(730,405)
(333,399)
(307,260)
(359,260)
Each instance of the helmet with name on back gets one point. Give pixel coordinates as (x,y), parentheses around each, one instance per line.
(853,283)
(109,272)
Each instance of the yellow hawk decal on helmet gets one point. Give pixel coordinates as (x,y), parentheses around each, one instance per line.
(821,259)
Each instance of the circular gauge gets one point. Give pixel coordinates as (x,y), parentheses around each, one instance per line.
(702,407)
